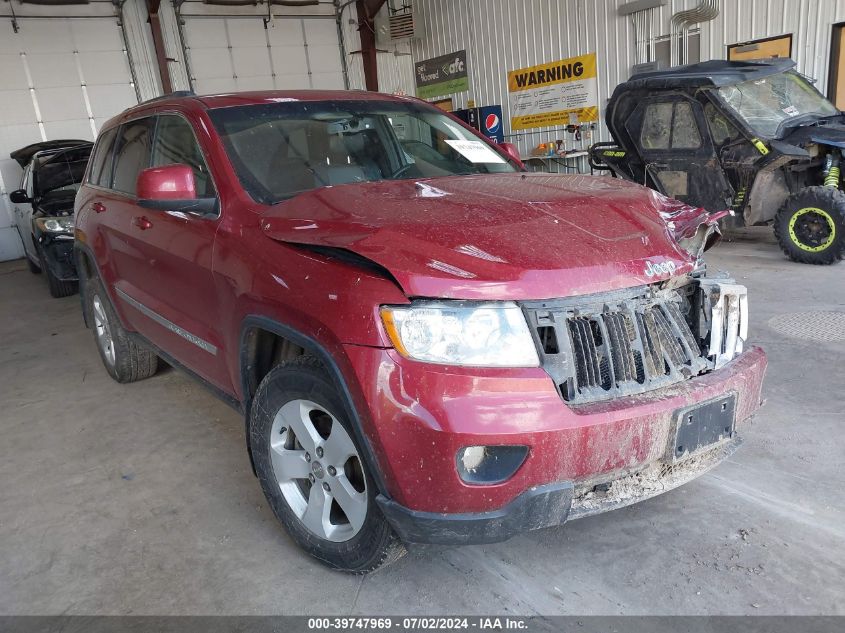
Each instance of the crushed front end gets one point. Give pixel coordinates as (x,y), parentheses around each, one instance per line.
(637,391)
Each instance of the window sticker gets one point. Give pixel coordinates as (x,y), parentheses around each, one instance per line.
(475,151)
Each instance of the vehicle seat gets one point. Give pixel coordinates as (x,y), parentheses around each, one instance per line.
(288,173)
(358,148)
(340,166)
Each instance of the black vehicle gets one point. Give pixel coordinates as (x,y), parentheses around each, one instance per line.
(753,137)
(44,208)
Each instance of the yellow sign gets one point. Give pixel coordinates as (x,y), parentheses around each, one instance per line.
(554,94)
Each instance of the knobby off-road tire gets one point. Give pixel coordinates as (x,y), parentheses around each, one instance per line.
(313,472)
(124,359)
(810,227)
(58,287)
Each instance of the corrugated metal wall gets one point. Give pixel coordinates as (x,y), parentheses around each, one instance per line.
(502,35)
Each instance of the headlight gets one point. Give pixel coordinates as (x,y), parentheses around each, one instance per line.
(479,335)
(56,225)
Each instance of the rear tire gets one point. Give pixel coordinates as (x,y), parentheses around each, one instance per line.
(124,359)
(313,472)
(810,227)
(58,287)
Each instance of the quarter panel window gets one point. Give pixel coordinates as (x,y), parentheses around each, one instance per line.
(175,143)
(101,161)
(132,154)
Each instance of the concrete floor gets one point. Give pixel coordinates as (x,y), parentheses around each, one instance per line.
(139,499)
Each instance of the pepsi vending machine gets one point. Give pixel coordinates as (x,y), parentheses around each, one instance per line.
(487,120)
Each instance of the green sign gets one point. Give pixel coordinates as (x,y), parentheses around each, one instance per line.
(442,75)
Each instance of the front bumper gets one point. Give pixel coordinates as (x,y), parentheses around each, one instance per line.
(58,256)
(551,504)
(420,415)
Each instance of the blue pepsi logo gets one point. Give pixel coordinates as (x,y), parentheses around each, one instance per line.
(492,123)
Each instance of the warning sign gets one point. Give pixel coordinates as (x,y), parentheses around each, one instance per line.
(558,93)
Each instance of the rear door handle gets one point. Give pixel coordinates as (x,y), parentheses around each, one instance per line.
(98,207)
(142,223)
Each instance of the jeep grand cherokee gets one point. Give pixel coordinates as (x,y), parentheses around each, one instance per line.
(428,344)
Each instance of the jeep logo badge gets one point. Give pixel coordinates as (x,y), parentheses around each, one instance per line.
(662,268)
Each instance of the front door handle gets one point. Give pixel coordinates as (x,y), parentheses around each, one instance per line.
(142,223)
(98,207)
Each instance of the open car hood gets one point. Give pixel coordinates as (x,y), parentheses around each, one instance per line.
(504,236)
(25,154)
(62,168)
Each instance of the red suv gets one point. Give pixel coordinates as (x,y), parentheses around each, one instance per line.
(427,343)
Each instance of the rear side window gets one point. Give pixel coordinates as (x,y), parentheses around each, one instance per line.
(670,125)
(657,126)
(175,143)
(132,154)
(101,160)
(685,134)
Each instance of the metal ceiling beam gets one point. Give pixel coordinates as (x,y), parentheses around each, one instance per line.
(158,44)
(367,10)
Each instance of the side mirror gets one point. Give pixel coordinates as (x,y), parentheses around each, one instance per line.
(172,188)
(511,150)
(19,197)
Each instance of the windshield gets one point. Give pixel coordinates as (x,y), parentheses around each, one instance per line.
(282,149)
(766,104)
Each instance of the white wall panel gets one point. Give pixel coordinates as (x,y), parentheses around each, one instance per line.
(228,48)
(60,77)
(139,48)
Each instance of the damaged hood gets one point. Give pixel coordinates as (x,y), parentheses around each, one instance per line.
(504,236)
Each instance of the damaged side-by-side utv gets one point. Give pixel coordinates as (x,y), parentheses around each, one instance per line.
(753,137)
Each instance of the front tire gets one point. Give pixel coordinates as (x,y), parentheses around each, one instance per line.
(124,359)
(313,472)
(810,227)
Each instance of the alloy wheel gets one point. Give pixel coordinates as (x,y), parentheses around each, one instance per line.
(318,470)
(102,330)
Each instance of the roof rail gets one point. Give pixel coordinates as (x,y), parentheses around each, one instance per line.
(171,95)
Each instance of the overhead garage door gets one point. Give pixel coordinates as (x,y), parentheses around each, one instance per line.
(237,53)
(59,78)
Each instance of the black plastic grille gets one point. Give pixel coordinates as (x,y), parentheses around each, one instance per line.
(621,343)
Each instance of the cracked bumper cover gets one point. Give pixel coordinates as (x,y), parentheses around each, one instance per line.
(552,504)
(540,507)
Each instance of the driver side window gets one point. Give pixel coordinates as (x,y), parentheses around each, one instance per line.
(175,143)
(721,129)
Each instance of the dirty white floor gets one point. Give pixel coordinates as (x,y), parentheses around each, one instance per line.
(139,499)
